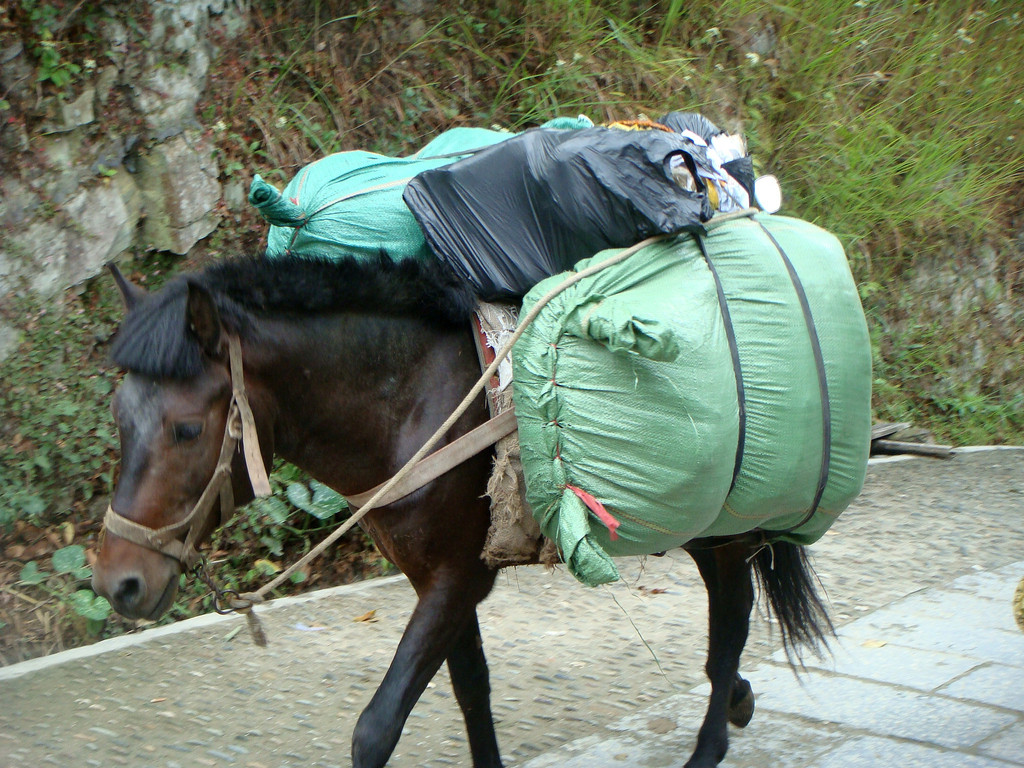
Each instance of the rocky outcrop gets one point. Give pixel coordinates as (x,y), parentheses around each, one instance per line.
(57,248)
(117,162)
(178,179)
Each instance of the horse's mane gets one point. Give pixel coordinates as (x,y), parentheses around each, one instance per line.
(153,338)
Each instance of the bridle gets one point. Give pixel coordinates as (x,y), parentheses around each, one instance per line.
(240,427)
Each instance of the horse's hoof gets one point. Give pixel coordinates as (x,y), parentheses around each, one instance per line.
(705,761)
(741,704)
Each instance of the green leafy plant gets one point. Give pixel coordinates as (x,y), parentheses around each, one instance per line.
(62,584)
(54,29)
(52,66)
(56,450)
(298,509)
(316,499)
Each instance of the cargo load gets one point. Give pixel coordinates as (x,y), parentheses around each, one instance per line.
(711,384)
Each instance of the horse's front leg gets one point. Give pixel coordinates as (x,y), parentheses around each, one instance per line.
(442,624)
(730,598)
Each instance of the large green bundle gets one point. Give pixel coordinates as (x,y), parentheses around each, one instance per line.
(354,199)
(626,393)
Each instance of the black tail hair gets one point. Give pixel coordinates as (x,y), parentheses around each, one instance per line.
(787,580)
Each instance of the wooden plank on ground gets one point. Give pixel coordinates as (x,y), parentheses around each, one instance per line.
(892,447)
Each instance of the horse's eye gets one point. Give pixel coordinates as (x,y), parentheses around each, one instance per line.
(187,431)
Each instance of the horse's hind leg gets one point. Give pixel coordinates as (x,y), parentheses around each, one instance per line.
(726,575)
(471,682)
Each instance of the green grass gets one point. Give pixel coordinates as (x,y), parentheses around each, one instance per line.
(897,128)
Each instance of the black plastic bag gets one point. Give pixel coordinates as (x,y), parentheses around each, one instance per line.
(741,169)
(537,203)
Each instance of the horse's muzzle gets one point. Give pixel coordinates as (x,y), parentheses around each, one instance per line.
(143,591)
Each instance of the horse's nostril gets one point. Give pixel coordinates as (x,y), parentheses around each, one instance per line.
(128,592)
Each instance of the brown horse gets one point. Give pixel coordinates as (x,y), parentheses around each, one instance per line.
(349,366)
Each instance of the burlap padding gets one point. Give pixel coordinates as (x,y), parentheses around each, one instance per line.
(514,537)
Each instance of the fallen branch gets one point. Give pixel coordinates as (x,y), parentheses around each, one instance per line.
(22,596)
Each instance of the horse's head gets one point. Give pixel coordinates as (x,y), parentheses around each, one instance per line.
(177,417)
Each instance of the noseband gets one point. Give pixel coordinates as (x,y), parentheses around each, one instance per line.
(240,427)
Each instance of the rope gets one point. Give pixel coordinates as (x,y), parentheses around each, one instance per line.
(245,602)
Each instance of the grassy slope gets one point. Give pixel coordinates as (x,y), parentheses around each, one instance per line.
(896,125)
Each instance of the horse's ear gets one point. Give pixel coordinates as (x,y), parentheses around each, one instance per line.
(130,292)
(203,319)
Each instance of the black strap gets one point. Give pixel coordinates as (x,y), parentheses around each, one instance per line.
(730,335)
(819,364)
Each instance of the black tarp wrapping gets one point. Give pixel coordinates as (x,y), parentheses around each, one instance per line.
(691,121)
(537,203)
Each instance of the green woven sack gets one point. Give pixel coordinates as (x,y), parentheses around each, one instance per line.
(354,199)
(627,396)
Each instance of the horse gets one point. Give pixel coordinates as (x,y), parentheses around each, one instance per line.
(348,366)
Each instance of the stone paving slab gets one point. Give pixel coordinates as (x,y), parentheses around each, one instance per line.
(895,664)
(879,708)
(1007,745)
(995,684)
(872,752)
(596,677)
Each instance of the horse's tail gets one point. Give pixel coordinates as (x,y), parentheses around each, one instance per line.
(787,581)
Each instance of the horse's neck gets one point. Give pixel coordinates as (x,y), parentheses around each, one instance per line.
(354,396)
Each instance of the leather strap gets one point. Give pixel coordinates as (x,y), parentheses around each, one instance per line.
(250,442)
(734,353)
(819,364)
(443,459)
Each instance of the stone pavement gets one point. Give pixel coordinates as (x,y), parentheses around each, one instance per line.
(928,669)
(945,689)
